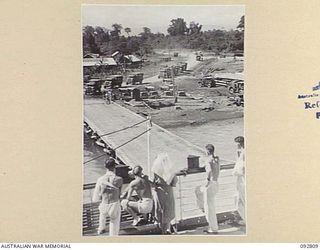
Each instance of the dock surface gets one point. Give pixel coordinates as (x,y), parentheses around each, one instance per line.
(106,118)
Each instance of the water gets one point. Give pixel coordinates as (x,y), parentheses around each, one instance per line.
(94,169)
(219,133)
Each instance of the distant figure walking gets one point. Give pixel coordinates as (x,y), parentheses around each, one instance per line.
(142,186)
(239,171)
(108,96)
(164,180)
(108,188)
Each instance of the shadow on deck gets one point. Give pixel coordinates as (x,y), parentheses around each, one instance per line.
(227,224)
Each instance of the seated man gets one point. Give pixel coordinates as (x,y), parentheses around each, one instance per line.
(107,190)
(142,186)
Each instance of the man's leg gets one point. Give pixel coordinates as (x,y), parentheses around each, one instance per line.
(115,216)
(242,201)
(102,218)
(209,208)
(132,208)
(212,216)
(213,221)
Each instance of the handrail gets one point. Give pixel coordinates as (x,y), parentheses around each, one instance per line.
(88,186)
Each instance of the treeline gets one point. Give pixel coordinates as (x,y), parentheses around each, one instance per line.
(180,35)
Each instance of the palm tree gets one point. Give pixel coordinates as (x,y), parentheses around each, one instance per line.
(117,28)
(127,30)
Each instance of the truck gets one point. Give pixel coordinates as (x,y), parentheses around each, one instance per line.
(236,86)
(207,81)
(93,87)
(165,73)
(199,56)
(112,82)
(135,78)
(183,66)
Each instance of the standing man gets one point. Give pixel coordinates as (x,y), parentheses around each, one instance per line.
(108,96)
(142,186)
(210,189)
(239,171)
(108,188)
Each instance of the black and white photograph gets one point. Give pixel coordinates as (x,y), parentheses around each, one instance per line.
(163,120)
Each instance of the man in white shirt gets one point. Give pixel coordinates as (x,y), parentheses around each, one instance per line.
(108,189)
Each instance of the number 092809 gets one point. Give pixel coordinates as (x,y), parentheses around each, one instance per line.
(309,245)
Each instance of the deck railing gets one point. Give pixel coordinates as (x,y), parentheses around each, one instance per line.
(186,202)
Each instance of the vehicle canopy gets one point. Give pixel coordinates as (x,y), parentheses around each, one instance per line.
(230,76)
(149,88)
(114,77)
(154,93)
(181,93)
(95,80)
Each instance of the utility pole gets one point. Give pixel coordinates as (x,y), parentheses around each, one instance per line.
(149,125)
(174,86)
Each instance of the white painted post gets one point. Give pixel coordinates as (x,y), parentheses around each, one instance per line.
(148,145)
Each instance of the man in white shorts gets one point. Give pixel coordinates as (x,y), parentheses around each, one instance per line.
(141,185)
(108,189)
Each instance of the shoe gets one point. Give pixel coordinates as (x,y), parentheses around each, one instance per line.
(210,232)
(136,222)
(101,231)
(241,223)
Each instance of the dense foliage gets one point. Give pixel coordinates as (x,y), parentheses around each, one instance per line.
(180,35)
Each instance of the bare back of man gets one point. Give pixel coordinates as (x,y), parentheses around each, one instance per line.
(144,205)
(142,187)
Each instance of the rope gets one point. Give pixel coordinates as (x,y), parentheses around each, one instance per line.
(116,131)
(94,158)
(132,139)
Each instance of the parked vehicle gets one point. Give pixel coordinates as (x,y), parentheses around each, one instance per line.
(183,66)
(164,87)
(126,93)
(168,93)
(135,78)
(93,87)
(154,95)
(199,58)
(149,88)
(165,73)
(239,100)
(144,95)
(207,81)
(225,79)
(114,81)
(182,93)
(236,86)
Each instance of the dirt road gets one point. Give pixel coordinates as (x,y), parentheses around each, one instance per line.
(191,61)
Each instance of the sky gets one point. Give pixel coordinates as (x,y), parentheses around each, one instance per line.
(158,18)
